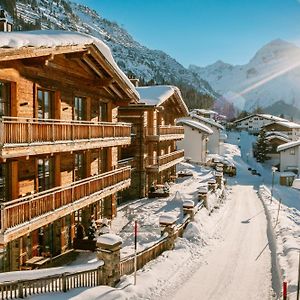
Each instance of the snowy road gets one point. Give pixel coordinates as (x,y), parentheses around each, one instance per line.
(239,267)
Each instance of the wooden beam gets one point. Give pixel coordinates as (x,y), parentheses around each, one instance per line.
(77,55)
(37,61)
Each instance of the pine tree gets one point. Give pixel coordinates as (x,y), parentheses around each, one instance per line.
(262,146)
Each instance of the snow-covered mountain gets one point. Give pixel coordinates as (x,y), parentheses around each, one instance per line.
(270,78)
(152,66)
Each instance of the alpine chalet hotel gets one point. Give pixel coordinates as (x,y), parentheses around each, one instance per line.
(59,140)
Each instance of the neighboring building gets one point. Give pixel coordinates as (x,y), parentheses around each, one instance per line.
(196,136)
(153,149)
(291,129)
(290,156)
(59,140)
(210,114)
(255,122)
(215,140)
(274,141)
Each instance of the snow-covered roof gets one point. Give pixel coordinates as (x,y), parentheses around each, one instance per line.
(204,111)
(58,38)
(279,137)
(288,145)
(288,124)
(207,121)
(195,125)
(265,116)
(277,133)
(156,95)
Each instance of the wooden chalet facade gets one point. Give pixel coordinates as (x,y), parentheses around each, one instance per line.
(59,140)
(153,151)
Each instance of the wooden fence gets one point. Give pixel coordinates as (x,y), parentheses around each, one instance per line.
(52,283)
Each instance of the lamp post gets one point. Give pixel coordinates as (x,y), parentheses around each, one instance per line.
(274,169)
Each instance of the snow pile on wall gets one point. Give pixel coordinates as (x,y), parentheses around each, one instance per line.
(296,184)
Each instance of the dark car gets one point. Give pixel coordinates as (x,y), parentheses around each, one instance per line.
(253,172)
(249,169)
(258,174)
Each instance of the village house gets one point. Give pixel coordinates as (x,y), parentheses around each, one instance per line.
(216,138)
(290,156)
(195,142)
(275,139)
(291,129)
(254,123)
(59,141)
(210,114)
(153,150)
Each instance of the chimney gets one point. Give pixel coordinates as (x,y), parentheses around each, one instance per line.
(134,80)
(5,25)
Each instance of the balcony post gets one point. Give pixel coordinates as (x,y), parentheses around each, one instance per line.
(2,134)
(2,218)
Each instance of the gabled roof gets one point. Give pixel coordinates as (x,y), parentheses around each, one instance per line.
(288,124)
(207,121)
(194,125)
(20,45)
(277,133)
(156,95)
(281,138)
(288,145)
(204,111)
(265,116)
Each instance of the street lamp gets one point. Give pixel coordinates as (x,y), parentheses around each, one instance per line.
(274,169)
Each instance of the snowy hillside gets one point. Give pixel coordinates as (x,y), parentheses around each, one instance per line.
(133,58)
(270,77)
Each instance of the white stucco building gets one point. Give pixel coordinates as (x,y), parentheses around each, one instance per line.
(255,122)
(289,156)
(195,140)
(216,138)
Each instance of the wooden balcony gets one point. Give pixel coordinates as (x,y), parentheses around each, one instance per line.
(165,133)
(23,136)
(166,161)
(23,215)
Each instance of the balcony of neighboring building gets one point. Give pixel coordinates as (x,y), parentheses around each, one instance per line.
(165,133)
(23,215)
(163,162)
(29,136)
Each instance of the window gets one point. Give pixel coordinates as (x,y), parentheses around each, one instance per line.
(78,172)
(4,99)
(79,109)
(45,174)
(3,182)
(45,104)
(292,151)
(103,117)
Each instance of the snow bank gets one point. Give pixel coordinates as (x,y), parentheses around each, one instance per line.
(188,203)
(296,184)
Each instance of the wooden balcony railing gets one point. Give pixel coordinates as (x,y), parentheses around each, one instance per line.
(25,131)
(165,132)
(127,162)
(26,209)
(165,160)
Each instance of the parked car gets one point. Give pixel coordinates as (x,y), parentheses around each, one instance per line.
(258,174)
(253,172)
(249,169)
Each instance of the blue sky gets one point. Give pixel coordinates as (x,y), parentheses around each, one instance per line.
(203,31)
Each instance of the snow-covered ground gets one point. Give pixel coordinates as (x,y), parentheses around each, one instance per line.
(224,255)
(228,254)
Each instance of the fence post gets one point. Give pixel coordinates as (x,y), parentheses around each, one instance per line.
(109,246)
(64,282)
(202,195)
(167,225)
(188,209)
(20,290)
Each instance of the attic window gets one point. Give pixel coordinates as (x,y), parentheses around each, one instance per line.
(292,151)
